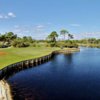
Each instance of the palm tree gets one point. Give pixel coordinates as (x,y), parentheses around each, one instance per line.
(70,36)
(64,32)
(52,37)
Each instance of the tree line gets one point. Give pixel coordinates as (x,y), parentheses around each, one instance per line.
(53,39)
(11,39)
(54,35)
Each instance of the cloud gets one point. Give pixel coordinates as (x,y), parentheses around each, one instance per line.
(75,25)
(86,35)
(1,16)
(7,16)
(36,31)
(40,26)
(11,14)
(39,29)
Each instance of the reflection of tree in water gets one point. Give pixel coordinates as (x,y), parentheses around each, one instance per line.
(60,61)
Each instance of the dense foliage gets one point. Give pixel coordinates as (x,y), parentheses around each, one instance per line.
(89,42)
(11,39)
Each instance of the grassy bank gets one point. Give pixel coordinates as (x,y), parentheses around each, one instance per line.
(13,55)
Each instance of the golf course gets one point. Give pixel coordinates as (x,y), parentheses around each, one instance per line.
(12,55)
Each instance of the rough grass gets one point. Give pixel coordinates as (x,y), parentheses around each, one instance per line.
(13,55)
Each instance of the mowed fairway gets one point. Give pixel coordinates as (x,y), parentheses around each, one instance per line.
(12,55)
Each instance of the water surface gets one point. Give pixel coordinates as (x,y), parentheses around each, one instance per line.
(66,77)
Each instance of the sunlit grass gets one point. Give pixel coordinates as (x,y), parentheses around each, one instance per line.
(14,55)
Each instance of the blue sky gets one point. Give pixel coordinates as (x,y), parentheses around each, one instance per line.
(40,17)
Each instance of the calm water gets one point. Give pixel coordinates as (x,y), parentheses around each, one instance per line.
(66,77)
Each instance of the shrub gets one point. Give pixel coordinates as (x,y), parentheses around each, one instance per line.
(47,45)
(20,43)
(71,45)
(3,45)
(34,45)
(68,44)
(52,44)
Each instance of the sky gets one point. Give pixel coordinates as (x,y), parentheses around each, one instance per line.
(38,18)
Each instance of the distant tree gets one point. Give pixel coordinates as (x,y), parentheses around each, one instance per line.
(19,43)
(53,36)
(70,36)
(92,40)
(30,39)
(10,36)
(64,32)
(2,37)
(25,38)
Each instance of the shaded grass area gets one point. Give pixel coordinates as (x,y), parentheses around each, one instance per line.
(13,55)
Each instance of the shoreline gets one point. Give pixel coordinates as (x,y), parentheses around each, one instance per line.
(67,51)
(5,90)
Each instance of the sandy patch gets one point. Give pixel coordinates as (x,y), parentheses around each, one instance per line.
(2,53)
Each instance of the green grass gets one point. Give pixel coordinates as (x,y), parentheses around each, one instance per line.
(14,55)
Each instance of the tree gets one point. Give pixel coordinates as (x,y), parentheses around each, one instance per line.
(19,43)
(10,36)
(64,32)
(30,39)
(92,40)
(25,38)
(70,36)
(2,37)
(52,37)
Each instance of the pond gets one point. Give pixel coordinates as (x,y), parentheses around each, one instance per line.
(65,77)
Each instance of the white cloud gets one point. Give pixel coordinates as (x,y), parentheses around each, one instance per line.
(4,17)
(36,31)
(75,25)
(1,17)
(16,26)
(11,14)
(40,26)
(86,35)
(7,16)
(39,29)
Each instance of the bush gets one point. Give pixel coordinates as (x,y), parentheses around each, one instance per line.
(4,45)
(68,44)
(60,44)
(52,44)
(34,45)
(71,45)
(47,45)
(20,43)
